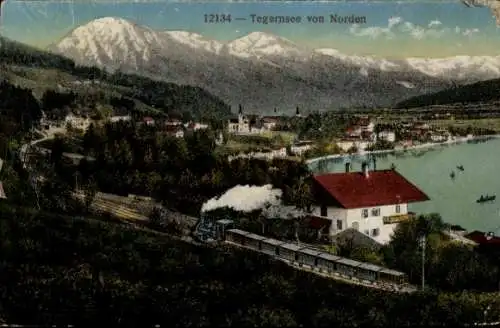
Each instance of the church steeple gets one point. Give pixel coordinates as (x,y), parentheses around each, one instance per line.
(240,109)
(297,111)
(275,110)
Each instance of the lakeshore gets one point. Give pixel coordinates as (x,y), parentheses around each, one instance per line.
(401,149)
(453,197)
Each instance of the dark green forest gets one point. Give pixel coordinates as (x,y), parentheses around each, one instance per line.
(62,270)
(483,91)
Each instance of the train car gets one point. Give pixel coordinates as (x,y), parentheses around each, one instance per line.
(368,272)
(327,262)
(388,276)
(308,257)
(289,251)
(270,246)
(253,241)
(236,236)
(347,267)
(221,226)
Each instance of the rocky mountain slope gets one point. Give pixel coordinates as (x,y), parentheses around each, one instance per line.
(263,71)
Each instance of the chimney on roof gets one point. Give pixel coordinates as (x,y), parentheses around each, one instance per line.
(347,167)
(364,168)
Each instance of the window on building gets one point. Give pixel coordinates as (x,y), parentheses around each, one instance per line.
(375,232)
(324,211)
(339,224)
(398,208)
(364,213)
(375,211)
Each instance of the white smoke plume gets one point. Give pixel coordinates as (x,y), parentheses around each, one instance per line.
(282,212)
(245,198)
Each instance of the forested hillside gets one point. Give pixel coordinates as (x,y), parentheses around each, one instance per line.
(483,91)
(40,71)
(60,270)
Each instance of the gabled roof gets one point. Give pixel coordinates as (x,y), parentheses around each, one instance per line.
(355,190)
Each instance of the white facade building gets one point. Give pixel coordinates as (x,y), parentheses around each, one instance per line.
(195,126)
(301,147)
(371,202)
(124,118)
(268,155)
(389,136)
(269,123)
(347,144)
(77,122)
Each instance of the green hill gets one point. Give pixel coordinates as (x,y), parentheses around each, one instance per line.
(30,68)
(59,270)
(483,91)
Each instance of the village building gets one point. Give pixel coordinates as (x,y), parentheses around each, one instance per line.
(173,122)
(300,147)
(241,124)
(176,131)
(484,238)
(148,121)
(269,123)
(371,202)
(388,136)
(363,130)
(348,144)
(77,122)
(263,154)
(366,124)
(120,118)
(195,126)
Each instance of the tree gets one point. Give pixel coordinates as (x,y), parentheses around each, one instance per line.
(90,191)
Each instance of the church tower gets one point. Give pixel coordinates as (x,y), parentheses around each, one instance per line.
(240,114)
(297,111)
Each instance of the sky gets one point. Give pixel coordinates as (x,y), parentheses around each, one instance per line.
(386,29)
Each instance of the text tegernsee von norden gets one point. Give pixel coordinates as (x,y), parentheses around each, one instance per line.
(285,19)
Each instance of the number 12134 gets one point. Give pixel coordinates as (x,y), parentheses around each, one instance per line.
(217,18)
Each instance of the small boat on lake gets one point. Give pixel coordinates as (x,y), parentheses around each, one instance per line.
(486,198)
(460,167)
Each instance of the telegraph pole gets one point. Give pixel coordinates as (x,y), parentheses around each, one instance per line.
(422,244)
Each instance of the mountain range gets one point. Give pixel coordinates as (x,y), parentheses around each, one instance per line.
(264,71)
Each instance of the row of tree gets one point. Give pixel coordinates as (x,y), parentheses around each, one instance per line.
(181,172)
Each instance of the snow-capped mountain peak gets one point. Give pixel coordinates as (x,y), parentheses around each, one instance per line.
(262,44)
(195,40)
(110,40)
(113,43)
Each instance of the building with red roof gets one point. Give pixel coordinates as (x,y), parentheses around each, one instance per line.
(372,202)
(484,238)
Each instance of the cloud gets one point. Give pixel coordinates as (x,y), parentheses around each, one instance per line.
(397,25)
(470,31)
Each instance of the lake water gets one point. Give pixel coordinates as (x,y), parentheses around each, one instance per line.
(429,169)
